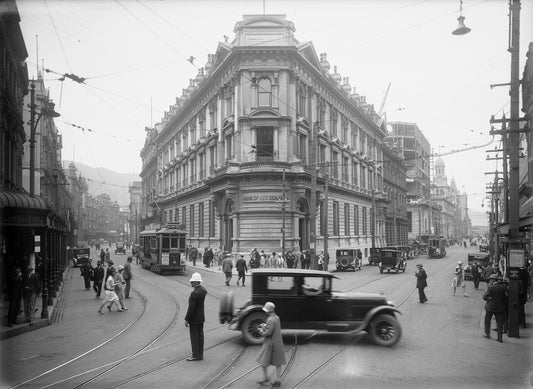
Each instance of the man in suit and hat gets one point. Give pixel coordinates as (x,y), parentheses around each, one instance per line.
(195,317)
(227,268)
(421,282)
(496,297)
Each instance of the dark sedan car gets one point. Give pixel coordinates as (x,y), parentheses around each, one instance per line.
(305,300)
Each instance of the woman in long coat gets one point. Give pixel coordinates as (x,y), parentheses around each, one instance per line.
(272,352)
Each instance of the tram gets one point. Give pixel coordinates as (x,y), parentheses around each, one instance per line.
(436,247)
(163,250)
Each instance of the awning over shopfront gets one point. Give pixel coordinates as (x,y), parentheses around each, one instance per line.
(12,199)
(19,209)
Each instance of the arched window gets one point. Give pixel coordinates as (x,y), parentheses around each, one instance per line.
(264,92)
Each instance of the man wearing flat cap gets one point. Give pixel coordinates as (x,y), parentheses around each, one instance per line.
(421,282)
(195,317)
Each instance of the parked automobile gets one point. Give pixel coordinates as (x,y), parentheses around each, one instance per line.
(349,259)
(373,259)
(119,248)
(306,300)
(81,255)
(483,248)
(392,260)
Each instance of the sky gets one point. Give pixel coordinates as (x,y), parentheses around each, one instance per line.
(133,55)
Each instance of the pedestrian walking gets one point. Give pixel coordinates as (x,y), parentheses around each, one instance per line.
(297,259)
(421,283)
(98,279)
(110,295)
(523,286)
(496,297)
(272,352)
(255,261)
(193,253)
(87,272)
(119,286)
(102,256)
(107,255)
(241,267)
(289,259)
(32,287)
(459,279)
(476,274)
(227,268)
(195,317)
(128,276)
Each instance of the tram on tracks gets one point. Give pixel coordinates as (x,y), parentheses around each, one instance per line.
(163,250)
(436,247)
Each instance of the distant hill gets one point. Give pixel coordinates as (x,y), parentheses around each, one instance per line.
(102,180)
(478,218)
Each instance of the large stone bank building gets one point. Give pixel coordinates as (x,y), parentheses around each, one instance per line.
(265,137)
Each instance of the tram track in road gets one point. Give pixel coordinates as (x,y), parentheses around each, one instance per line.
(108,367)
(326,362)
(170,363)
(286,370)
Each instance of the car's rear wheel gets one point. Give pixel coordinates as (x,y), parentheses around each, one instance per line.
(250,327)
(385,330)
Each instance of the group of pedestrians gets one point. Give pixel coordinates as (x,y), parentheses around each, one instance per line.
(272,351)
(116,282)
(23,285)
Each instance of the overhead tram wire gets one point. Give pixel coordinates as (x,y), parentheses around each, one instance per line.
(155,33)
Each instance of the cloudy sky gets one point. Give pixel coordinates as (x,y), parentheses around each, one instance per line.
(133,55)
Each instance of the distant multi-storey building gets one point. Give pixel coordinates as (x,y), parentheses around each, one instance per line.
(445,195)
(253,142)
(78,189)
(422,213)
(395,191)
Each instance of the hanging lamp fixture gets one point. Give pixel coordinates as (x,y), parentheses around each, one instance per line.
(461,28)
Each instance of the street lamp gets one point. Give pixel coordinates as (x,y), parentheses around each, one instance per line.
(48,111)
(461,28)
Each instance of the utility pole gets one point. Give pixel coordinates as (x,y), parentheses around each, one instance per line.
(325,208)
(373,219)
(283,202)
(513,145)
(312,211)
(515,253)
(32,138)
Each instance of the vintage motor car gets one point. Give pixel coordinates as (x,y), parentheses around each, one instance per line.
(120,249)
(392,260)
(81,255)
(349,259)
(306,300)
(482,259)
(373,258)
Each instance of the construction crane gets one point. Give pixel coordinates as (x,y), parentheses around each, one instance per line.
(380,111)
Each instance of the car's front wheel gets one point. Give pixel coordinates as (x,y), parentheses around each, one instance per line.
(250,327)
(385,330)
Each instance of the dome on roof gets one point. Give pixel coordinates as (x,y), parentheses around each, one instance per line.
(439,162)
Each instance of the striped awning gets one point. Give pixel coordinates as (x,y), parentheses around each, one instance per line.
(14,199)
